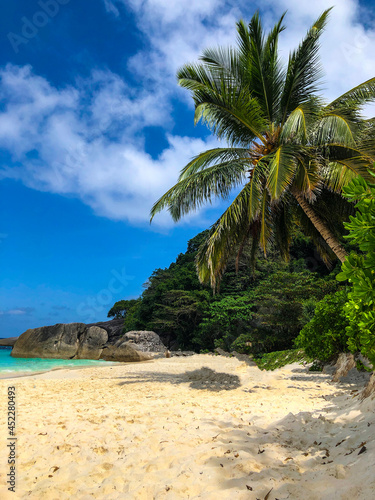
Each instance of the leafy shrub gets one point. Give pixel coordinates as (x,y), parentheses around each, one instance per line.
(324,336)
(278,359)
(359,269)
(308,310)
(122,308)
(225,320)
(282,302)
(244,344)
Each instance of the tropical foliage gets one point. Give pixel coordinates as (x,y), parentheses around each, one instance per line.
(289,153)
(278,359)
(122,308)
(324,337)
(225,320)
(359,269)
(281,301)
(257,310)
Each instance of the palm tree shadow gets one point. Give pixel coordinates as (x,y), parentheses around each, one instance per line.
(202,379)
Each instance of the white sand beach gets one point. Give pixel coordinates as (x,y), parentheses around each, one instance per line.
(202,427)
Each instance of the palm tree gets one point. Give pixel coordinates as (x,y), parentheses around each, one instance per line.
(286,147)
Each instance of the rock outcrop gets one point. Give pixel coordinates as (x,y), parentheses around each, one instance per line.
(369,390)
(95,341)
(9,342)
(345,363)
(345,370)
(123,351)
(145,341)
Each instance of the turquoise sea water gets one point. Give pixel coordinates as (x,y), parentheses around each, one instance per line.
(9,365)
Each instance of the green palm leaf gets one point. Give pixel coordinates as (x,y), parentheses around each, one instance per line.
(223,236)
(357,97)
(205,159)
(304,70)
(259,59)
(282,168)
(191,192)
(229,111)
(308,177)
(333,128)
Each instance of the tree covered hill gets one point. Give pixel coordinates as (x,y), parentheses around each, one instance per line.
(258,309)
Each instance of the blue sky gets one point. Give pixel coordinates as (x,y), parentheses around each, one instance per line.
(93,129)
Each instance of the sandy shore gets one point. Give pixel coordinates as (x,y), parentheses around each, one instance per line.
(186,428)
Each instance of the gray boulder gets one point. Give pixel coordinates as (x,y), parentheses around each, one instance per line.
(58,341)
(145,341)
(123,351)
(103,340)
(91,343)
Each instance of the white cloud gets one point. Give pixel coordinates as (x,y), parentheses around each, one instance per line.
(85,143)
(86,140)
(347,47)
(179,31)
(111,7)
(21,311)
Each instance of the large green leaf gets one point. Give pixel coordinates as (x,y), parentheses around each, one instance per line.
(282,167)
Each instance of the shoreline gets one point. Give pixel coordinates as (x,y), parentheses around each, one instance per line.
(20,373)
(187,428)
(58,368)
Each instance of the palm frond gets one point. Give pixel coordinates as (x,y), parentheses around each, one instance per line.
(259,59)
(273,70)
(308,177)
(338,175)
(257,185)
(265,221)
(191,192)
(295,128)
(228,110)
(357,96)
(334,128)
(205,159)
(304,70)
(282,167)
(224,235)
(282,224)
(342,164)
(224,60)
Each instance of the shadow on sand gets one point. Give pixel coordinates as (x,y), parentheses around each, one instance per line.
(202,379)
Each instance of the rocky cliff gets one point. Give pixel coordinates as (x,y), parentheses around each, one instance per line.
(9,342)
(95,341)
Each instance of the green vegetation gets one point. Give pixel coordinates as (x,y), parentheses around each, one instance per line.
(253,282)
(359,269)
(290,153)
(324,337)
(227,319)
(278,359)
(345,321)
(122,308)
(281,300)
(258,309)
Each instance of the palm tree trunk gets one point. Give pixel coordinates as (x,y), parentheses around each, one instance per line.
(325,232)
